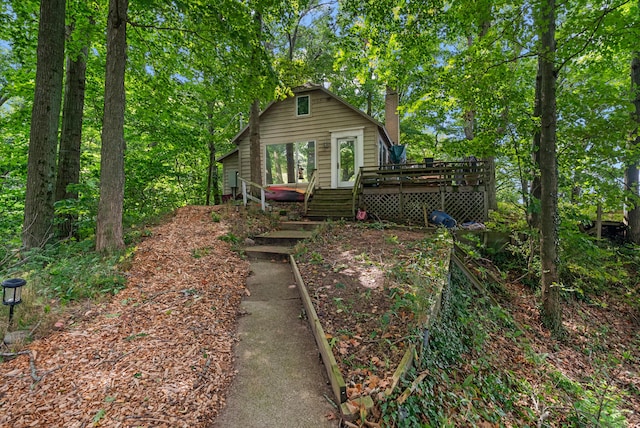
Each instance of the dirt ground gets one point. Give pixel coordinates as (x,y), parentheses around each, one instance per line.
(160,353)
(348,273)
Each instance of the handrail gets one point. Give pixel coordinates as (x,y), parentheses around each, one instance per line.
(246,196)
(440,174)
(356,192)
(310,188)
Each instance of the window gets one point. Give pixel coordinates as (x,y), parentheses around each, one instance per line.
(290,162)
(303,106)
(382,153)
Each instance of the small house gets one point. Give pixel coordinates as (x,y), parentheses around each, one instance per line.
(316,147)
(312,131)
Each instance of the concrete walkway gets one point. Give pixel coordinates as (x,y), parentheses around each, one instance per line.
(281,380)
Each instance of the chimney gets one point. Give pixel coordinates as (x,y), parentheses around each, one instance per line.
(391,118)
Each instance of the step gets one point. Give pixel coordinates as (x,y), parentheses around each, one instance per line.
(323,210)
(300,225)
(323,216)
(268,252)
(343,198)
(282,237)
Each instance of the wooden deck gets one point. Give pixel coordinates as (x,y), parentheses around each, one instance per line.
(411,192)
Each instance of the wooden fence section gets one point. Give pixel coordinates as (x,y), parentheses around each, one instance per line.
(411,192)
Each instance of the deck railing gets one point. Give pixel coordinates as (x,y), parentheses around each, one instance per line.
(472,173)
(356,192)
(310,188)
(247,196)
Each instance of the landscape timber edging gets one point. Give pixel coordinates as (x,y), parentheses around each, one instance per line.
(331,366)
(432,315)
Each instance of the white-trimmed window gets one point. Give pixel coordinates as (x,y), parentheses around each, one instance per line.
(303,105)
(383,155)
(290,162)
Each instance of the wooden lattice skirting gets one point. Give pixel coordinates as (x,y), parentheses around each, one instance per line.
(463,203)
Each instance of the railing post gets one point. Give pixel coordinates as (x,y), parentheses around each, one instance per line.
(262,199)
(244,192)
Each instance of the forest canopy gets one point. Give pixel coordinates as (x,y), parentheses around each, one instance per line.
(468,74)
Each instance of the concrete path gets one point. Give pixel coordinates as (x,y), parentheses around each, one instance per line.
(281,380)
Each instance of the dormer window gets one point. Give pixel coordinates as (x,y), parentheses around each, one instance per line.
(303,105)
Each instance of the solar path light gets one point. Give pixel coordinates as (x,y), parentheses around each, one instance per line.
(12,294)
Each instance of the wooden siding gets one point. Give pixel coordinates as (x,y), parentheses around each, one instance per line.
(279,124)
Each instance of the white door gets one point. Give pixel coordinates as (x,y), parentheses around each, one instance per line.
(346,157)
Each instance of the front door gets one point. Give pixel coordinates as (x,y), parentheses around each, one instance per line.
(346,157)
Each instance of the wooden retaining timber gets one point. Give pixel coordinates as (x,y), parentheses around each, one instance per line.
(351,408)
(333,371)
(336,379)
(430,317)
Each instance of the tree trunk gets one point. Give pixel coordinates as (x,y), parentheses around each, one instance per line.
(212,171)
(551,311)
(71,137)
(534,193)
(211,167)
(631,172)
(492,197)
(291,164)
(254,142)
(45,115)
(109,224)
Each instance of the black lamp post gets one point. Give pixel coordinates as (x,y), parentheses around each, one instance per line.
(12,294)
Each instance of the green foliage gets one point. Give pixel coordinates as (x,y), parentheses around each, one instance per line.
(461,387)
(316,258)
(230,238)
(590,268)
(198,253)
(468,382)
(421,275)
(70,270)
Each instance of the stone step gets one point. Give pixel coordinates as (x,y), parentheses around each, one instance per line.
(268,252)
(300,225)
(282,237)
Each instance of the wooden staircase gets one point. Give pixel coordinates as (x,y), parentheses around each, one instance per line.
(331,204)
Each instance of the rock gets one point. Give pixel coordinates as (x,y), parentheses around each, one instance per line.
(249,241)
(12,337)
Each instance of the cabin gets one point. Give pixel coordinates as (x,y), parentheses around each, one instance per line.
(317,148)
(312,131)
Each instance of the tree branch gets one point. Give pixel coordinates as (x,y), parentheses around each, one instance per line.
(165,28)
(589,40)
(32,364)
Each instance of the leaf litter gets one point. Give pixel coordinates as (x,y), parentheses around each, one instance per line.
(159,353)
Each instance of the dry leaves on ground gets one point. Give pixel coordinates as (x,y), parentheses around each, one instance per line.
(348,273)
(160,353)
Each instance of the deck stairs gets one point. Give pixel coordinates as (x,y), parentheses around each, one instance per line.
(332,204)
(278,244)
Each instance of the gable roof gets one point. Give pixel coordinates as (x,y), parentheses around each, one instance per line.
(311,88)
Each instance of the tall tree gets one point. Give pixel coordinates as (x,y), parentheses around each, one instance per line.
(551,310)
(534,192)
(71,136)
(631,172)
(39,199)
(109,224)
(254,142)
